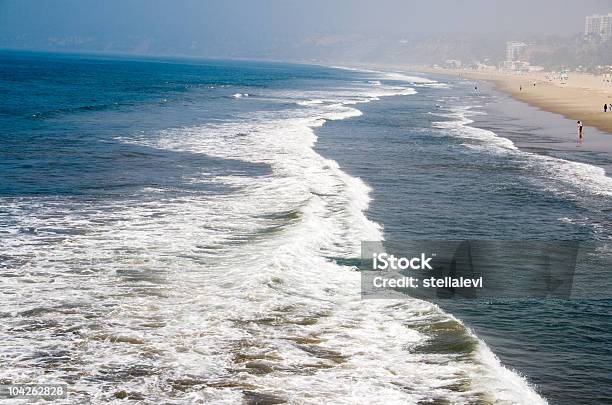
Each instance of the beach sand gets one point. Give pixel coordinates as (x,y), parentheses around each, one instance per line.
(580,97)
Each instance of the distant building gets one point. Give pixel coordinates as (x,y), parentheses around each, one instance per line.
(598,27)
(453,64)
(535,68)
(514,53)
(514,50)
(484,66)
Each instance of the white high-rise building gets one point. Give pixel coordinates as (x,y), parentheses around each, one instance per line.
(598,27)
(514,50)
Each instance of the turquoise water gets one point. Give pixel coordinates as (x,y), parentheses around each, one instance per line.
(168,226)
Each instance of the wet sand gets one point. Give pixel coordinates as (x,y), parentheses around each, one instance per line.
(581,97)
(542,132)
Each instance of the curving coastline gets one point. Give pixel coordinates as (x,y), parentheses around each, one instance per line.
(580,97)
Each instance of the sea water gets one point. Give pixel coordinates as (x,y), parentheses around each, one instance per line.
(173,232)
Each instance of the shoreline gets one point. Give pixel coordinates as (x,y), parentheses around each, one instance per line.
(379,213)
(581,97)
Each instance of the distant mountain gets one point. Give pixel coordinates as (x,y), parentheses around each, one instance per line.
(553,52)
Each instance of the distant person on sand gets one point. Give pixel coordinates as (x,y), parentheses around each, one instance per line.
(579,129)
(606,107)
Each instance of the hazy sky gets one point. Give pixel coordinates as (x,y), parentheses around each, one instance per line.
(206,24)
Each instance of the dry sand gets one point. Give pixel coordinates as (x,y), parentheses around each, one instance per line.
(580,97)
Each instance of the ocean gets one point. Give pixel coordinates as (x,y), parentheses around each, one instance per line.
(183,231)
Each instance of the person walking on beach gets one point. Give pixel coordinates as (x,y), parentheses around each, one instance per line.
(606,107)
(579,129)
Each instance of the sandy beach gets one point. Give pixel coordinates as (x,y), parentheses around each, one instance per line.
(580,97)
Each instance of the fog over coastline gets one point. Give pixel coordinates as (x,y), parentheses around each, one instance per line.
(359,31)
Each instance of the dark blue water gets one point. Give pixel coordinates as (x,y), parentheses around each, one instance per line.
(62,116)
(167,227)
(447,182)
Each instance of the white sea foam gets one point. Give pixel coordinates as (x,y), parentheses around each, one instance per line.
(564,177)
(310,102)
(222,294)
(394,76)
(406,78)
